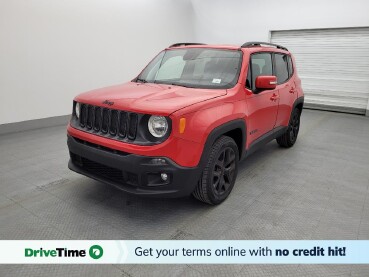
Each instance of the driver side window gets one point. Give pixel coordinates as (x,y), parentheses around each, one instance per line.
(260,64)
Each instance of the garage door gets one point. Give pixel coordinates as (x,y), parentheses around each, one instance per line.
(333,65)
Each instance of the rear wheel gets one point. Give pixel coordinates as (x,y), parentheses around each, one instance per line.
(289,138)
(220,172)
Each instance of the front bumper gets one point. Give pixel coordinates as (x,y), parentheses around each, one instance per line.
(131,173)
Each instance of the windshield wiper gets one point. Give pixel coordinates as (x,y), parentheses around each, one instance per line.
(180,85)
(141,80)
(171,84)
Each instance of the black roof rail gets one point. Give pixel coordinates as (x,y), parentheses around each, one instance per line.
(185,44)
(259,43)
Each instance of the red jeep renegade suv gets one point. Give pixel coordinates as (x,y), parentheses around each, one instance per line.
(184,123)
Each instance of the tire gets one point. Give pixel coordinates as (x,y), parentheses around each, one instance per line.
(289,138)
(220,172)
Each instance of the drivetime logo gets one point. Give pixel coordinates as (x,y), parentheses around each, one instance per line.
(95,252)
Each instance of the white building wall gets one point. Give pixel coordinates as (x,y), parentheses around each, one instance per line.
(238,21)
(52,50)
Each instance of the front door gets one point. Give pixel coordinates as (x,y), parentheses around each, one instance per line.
(262,106)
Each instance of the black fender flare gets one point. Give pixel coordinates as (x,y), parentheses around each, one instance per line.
(298,101)
(218,132)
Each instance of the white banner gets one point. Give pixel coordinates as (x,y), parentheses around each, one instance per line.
(184,252)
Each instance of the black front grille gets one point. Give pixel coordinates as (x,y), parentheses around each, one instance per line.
(97,119)
(82,118)
(123,120)
(90,116)
(132,130)
(105,121)
(113,123)
(108,122)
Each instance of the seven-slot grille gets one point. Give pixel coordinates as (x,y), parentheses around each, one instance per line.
(104,121)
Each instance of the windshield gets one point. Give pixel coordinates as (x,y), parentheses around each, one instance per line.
(194,67)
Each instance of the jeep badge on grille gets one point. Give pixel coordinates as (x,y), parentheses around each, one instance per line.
(107,102)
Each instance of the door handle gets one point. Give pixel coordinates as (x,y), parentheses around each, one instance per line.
(274,97)
(292,90)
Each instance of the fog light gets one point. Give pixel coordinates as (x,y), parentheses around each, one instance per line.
(158,179)
(164,176)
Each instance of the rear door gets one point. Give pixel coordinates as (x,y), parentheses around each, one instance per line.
(283,69)
(262,105)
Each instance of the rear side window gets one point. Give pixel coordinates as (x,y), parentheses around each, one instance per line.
(261,64)
(290,67)
(281,68)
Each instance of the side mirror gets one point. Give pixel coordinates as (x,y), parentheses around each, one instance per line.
(265,82)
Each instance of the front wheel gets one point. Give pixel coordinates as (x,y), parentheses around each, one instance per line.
(220,172)
(289,138)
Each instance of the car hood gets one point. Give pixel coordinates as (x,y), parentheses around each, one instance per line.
(148,98)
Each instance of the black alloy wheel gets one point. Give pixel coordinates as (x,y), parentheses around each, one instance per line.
(224,169)
(220,172)
(294,126)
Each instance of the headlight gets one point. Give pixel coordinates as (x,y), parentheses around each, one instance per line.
(158,126)
(78,108)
